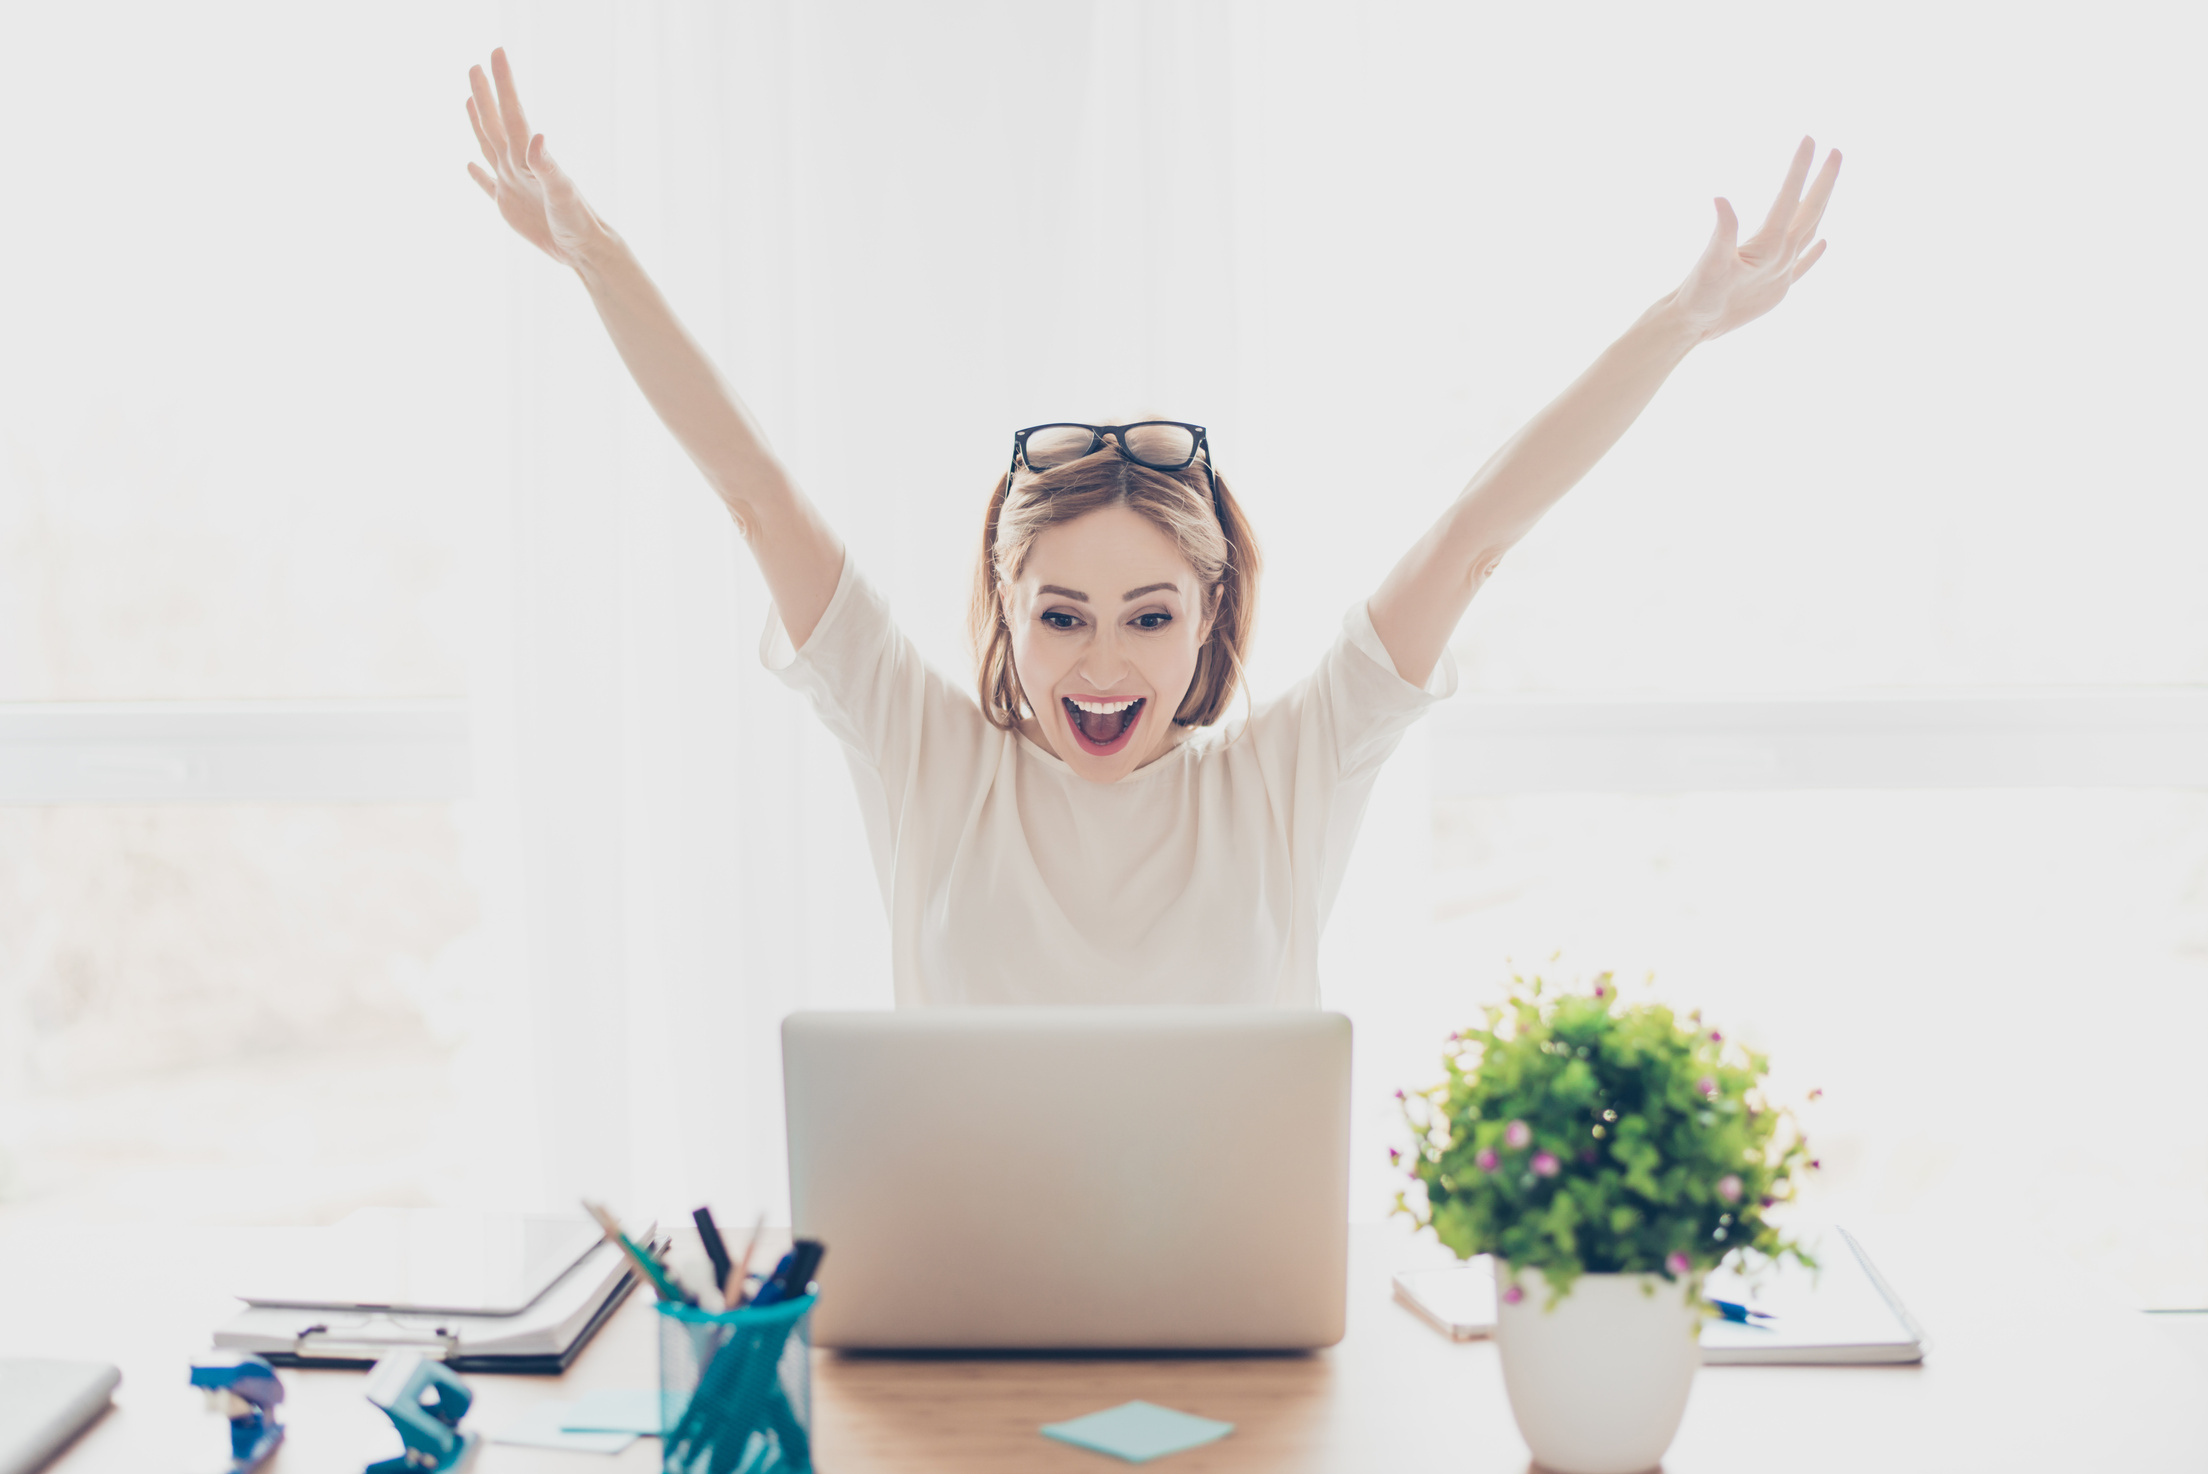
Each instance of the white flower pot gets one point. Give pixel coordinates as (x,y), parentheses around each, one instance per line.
(1598,1384)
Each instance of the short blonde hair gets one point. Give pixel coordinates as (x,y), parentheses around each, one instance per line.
(1216,541)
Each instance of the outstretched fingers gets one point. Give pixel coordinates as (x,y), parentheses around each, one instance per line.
(488,184)
(1790,193)
(482,138)
(490,129)
(1812,211)
(509,106)
(1808,259)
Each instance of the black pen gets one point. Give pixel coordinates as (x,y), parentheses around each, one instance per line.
(710,1236)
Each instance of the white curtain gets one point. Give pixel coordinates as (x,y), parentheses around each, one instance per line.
(901,231)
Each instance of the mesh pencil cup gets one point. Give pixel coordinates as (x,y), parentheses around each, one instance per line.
(736,1389)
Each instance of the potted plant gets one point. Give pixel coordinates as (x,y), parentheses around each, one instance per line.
(1609,1155)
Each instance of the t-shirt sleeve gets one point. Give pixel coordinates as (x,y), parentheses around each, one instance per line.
(903,727)
(1356,708)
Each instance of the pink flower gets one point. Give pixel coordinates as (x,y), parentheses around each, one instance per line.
(1677,1263)
(1814,1094)
(1814,1163)
(1544,1165)
(1513,1295)
(1516,1135)
(1706,1086)
(1487,1159)
(1399,1095)
(1394,1156)
(1769,1202)
(1717,1036)
(1601,991)
(1728,1188)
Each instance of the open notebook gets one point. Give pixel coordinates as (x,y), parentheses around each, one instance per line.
(1843,1313)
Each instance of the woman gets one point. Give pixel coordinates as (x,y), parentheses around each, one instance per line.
(1070,838)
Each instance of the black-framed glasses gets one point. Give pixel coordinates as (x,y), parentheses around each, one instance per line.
(1162,445)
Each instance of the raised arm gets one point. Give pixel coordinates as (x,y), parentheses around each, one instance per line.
(798,553)
(1417,608)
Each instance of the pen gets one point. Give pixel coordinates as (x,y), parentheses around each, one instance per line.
(709,1234)
(793,1274)
(1732,1310)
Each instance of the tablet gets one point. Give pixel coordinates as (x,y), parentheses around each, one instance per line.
(421,1259)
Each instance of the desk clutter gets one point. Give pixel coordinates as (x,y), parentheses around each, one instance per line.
(419,1296)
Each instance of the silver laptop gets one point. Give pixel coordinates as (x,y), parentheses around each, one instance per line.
(44,1404)
(1072,1177)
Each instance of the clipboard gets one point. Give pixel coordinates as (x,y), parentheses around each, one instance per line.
(542,1338)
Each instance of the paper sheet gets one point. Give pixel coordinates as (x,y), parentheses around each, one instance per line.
(615,1410)
(539,1427)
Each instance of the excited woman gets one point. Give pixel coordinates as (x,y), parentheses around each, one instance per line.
(1077,836)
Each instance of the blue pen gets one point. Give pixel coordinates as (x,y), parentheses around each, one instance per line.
(1734,1311)
(793,1274)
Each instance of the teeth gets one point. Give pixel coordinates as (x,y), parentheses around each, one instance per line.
(1102,708)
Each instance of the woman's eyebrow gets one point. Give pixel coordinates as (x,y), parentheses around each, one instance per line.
(1148,588)
(1075,594)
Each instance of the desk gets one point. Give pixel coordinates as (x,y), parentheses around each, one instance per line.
(2063,1381)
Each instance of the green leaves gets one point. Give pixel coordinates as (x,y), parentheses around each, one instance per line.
(1577,1134)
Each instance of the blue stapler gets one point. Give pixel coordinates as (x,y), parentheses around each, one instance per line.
(243,1389)
(427,1403)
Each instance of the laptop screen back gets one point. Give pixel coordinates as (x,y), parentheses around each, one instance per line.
(1072,1177)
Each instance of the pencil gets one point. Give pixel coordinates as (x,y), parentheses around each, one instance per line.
(661,1285)
(732,1294)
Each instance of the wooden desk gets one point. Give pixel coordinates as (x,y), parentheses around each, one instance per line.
(2056,1379)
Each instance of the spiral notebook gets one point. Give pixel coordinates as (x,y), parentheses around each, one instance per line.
(1845,1313)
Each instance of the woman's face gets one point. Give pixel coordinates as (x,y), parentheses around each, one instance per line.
(1107,619)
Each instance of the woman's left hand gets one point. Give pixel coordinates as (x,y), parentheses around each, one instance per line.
(1737,281)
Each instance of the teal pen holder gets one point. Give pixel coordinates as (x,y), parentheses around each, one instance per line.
(736,1389)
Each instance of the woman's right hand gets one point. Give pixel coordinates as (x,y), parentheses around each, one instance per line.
(534,194)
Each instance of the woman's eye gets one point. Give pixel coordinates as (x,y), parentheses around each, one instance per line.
(1058,619)
(1154,620)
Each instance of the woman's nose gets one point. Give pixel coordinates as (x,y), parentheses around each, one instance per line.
(1103,664)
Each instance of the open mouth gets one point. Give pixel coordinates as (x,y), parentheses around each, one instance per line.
(1103,725)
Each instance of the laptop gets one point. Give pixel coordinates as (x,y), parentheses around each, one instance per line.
(44,1404)
(1073,1178)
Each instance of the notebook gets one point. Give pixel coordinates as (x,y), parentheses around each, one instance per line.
(1844,1313)
(543,1336)
(421,1259)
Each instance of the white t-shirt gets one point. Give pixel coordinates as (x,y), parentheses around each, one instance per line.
(1204,876)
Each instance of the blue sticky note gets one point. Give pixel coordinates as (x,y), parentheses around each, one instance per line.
(1138,1431)
(615,1410)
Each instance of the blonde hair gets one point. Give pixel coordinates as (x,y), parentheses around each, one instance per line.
(1217,542)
